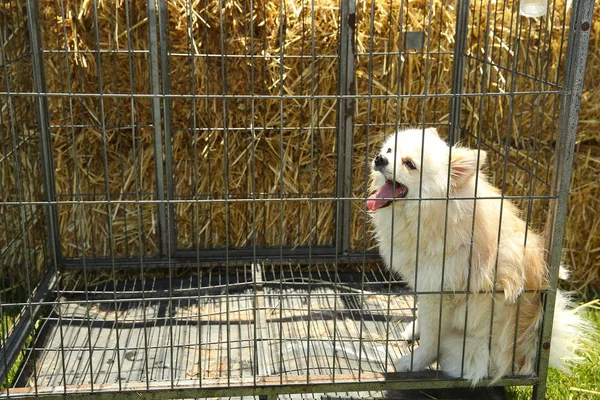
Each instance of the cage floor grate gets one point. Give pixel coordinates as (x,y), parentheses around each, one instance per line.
(182,330)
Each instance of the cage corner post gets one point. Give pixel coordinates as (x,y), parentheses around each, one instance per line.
(171,227)
(577,51)
(43,120)
(458,69)
(345,124)
(157,95)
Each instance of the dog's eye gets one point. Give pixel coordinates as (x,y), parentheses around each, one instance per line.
(410,164)
(389,150)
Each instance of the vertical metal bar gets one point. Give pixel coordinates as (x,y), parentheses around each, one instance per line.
(210,242)
(156,125)
(487,51)
(226,194)
(579,36)
(79,210)
(163,23)
(170,218)
(397,121)
(259,300)
(420,201)
(311,168)
(107,191)
(365,193)
(195,179)
(475,204)
(261,334)
(345,125)
(458,69)
(41,101)
(8,228)
(138,189)
(282,37)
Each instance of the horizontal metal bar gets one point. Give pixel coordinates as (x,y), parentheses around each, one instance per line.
(374,279)
(192,197)
(245,56)
(240,129)
(218,56)
(264,200)
(258,386)
(237,257)
(108,127)
(102,349)
(286,96)
(204,129)
(245,198)
(203,198)
(272,256)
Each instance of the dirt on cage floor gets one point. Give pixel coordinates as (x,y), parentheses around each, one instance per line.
(163,330)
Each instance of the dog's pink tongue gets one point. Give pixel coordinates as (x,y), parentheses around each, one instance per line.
(383,196)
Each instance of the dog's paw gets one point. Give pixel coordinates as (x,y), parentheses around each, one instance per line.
(403,364)
(409,333)
(411,363)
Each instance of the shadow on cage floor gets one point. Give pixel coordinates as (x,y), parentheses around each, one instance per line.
(183,331)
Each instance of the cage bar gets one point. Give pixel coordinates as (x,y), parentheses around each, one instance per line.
(579,36)
(347,87)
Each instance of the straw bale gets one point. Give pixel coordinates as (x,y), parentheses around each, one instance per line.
(287,147)
(22,256)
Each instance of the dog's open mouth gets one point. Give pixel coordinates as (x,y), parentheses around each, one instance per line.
(383,197)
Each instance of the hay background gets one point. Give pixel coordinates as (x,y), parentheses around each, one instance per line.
(307,161)
(23,243)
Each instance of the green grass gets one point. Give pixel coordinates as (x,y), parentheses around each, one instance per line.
(584,383)
(6,322)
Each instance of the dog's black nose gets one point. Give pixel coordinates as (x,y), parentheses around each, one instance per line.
(381,160)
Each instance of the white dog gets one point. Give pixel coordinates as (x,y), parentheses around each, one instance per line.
(463,245)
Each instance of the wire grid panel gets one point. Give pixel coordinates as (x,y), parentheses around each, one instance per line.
(202,331)
(240,125)
(206,165)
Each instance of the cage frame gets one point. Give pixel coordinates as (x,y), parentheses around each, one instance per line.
(338,252)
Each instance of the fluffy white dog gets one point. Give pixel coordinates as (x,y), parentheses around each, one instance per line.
(463,245)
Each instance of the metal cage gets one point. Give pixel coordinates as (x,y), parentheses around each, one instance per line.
(183,183)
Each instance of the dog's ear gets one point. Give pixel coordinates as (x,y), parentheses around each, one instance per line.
(464,164)
(433,131)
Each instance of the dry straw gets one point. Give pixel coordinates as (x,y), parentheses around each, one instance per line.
(287,147)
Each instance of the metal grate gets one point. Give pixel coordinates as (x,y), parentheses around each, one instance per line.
(274,327)
(183,184)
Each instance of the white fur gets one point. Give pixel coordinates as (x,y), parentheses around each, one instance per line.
(411,332)
(511,267)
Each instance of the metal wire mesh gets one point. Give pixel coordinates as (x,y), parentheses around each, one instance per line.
(184,183)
